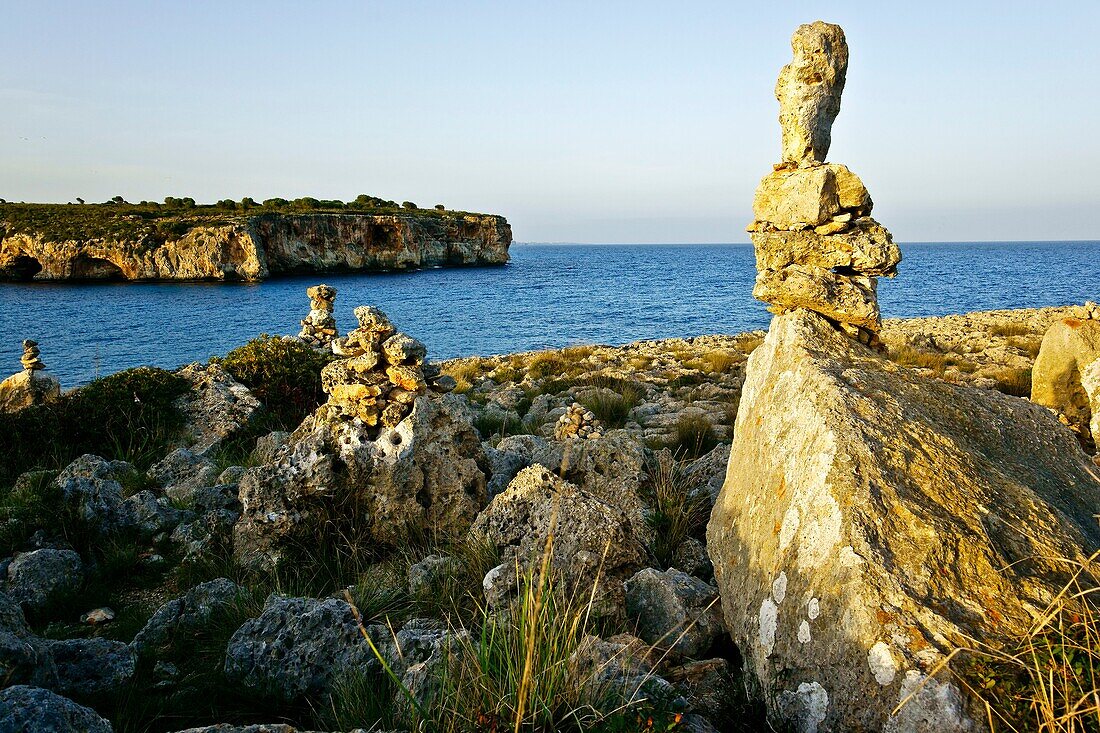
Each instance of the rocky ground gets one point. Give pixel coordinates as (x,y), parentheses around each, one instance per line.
(336,575)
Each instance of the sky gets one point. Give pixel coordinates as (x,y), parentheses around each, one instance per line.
(580,122)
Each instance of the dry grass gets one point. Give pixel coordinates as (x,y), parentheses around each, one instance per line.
(465,372)
(912,356)
(1009,329)
(1028,344)
(1049,680)
(680,508)
(1015,382)
(716,362)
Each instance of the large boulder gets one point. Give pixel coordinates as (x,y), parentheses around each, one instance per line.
(24,658)
(1069,348)
(423,475)
(592,538)
(37,579)
(24,708)
(188,615)
(90,667)
(216,408)
(26,388)
(872,519)
(673,610)
(300,647)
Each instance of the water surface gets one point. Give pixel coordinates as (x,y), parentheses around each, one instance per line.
(548,296)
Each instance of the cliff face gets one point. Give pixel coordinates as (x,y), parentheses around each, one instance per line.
(254,248)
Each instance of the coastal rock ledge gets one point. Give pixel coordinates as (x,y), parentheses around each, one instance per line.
(872,520)
(257,247)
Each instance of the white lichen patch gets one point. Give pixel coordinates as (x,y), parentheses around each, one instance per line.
(779,588)
(926,703)
(806,707)
(769,622)
(804,632)
(881,662)
(813,608)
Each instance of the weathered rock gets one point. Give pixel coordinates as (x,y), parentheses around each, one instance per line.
(673,610)
(866,247)
(268,447)
(1090,380)
(24,708)
(90,667)
(871,519)
(183,472)
(187,615)
(24,658)
(809,90)
(404,349)
(151,515)
(90,486)
(847,298)
(591,537)
(98,616)
(578,422)
(424,474)
(614,674)
(216,408)
(301,646)
(427,573)
(1069,347)
(32,386)
(799,196)
(708,685)
(40,578)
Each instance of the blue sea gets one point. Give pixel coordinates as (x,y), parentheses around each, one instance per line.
(548,296)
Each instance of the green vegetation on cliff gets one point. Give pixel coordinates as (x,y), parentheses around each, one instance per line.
(175,217)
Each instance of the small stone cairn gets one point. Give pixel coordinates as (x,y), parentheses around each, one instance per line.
(30,360)
(382,374)
(319,327)
(31,386)
(817,246)
(578,422)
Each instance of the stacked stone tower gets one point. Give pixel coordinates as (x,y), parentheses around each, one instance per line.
(32,386)
(817,246)
(319,327)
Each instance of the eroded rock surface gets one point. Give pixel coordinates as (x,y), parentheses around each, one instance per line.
(871,519)
(1064,377)
(809,90)
(24,708)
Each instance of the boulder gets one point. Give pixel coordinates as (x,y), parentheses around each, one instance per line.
(187,615)
(592,538)
(24,658)
(800,196)
(24,708)
(183,472)
(865,247)
(43,577)
(26,388)
(422,475)
(673,610)
(872,519)
(269,446)
(615,674)
(90,486)
(841,297)
(90,667)
(217,407)
(809,90)
(300,647)
(1070,346)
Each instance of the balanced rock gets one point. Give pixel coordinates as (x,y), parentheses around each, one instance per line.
(816,245)
(809,90)
(319,327)
(1066,377)
(32,386)
(872,520)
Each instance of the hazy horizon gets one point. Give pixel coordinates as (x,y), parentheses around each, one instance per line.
(581,123)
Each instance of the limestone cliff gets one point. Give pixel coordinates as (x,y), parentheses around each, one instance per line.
(257,247)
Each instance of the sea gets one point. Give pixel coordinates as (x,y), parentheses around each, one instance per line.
(548,296)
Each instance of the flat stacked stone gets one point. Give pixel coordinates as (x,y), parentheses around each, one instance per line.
(382,374)
(578,422)
(319,327)
(816,245)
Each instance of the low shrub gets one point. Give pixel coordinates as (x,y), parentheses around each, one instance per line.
(547,364)
(612,406)
(284,374)
(127,416)
(679,507)
(692,436)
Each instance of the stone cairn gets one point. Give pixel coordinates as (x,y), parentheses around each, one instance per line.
(578,422)
(816,245)
(383,373)
(31,386)
(30,360)
(319,327)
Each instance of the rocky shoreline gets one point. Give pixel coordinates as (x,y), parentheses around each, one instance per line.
(256,247)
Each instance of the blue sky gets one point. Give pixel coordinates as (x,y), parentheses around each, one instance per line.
(584,122)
